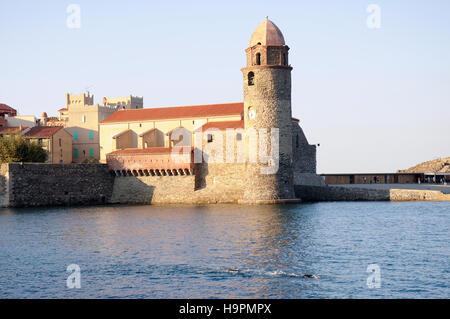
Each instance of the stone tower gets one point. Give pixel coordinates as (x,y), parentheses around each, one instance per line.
(267,105)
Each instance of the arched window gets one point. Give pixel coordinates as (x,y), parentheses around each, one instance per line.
(258,58)
(251,77)
(284,59)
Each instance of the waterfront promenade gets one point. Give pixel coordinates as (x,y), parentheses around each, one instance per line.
(445,189)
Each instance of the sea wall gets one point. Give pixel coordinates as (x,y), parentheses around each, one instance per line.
(212,183)
(337,193)
(91,184)
(36,184)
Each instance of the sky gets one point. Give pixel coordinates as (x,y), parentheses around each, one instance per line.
(375,99)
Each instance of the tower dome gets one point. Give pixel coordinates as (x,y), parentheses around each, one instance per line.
(268,34)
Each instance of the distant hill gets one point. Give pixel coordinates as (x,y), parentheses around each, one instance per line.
(441,165)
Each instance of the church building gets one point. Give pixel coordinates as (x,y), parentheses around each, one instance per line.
(140,143)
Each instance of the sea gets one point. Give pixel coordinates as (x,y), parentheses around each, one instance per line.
(314,250)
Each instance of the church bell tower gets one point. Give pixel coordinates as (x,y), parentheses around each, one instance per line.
(267,105)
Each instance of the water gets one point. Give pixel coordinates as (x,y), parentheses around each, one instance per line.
(227,251)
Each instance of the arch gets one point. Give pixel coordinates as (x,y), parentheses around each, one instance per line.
(258,58)
(251,77)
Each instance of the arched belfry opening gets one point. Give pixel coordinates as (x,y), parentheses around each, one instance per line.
(258,58)
(251,78)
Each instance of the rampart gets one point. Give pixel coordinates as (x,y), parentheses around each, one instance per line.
(33,184)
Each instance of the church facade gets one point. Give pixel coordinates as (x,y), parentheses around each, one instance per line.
(248,152)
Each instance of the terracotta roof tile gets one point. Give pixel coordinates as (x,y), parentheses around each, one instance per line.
(148,114)
(222,125)
(7,109)
(139,151)
(12,129)
(42,131)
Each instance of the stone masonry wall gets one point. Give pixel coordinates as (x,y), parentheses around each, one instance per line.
(35,184)
(4,185)
(303,154)
(336,193)
(270,98)
(212,183)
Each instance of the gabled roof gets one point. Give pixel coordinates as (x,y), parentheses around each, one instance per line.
(165,113)
(7,109)
(42,131)
(222,125)
(121,133)
(12,129)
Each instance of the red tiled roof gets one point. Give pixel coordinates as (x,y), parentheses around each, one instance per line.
(7,109)
(138,151)
(42,131)
(222,125)
(136,115)
(63,109)
(11,129)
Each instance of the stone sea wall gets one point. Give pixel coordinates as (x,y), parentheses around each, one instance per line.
(36,184)
(336,193)
(212,183)
(29,185)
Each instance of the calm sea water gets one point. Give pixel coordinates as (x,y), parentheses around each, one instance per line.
(227,251)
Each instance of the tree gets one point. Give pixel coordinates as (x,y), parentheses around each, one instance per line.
(16,148)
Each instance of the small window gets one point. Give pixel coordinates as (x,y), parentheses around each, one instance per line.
(251,77)
(84,153)
(60,143)
(297,141)
(258,58)
(75,135)
(91,152)
(284,58)
(239,136)
(83,118)
(75,153)
(91,135)
(210,138)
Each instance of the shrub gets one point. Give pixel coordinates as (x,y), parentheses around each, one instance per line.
(16,148)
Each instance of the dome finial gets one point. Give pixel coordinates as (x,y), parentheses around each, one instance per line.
(267,34)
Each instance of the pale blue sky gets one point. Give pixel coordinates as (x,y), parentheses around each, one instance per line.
(375,99)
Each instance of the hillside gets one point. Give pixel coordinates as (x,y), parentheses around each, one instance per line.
(441,165)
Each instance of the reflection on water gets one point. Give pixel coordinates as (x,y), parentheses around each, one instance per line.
(226,251)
